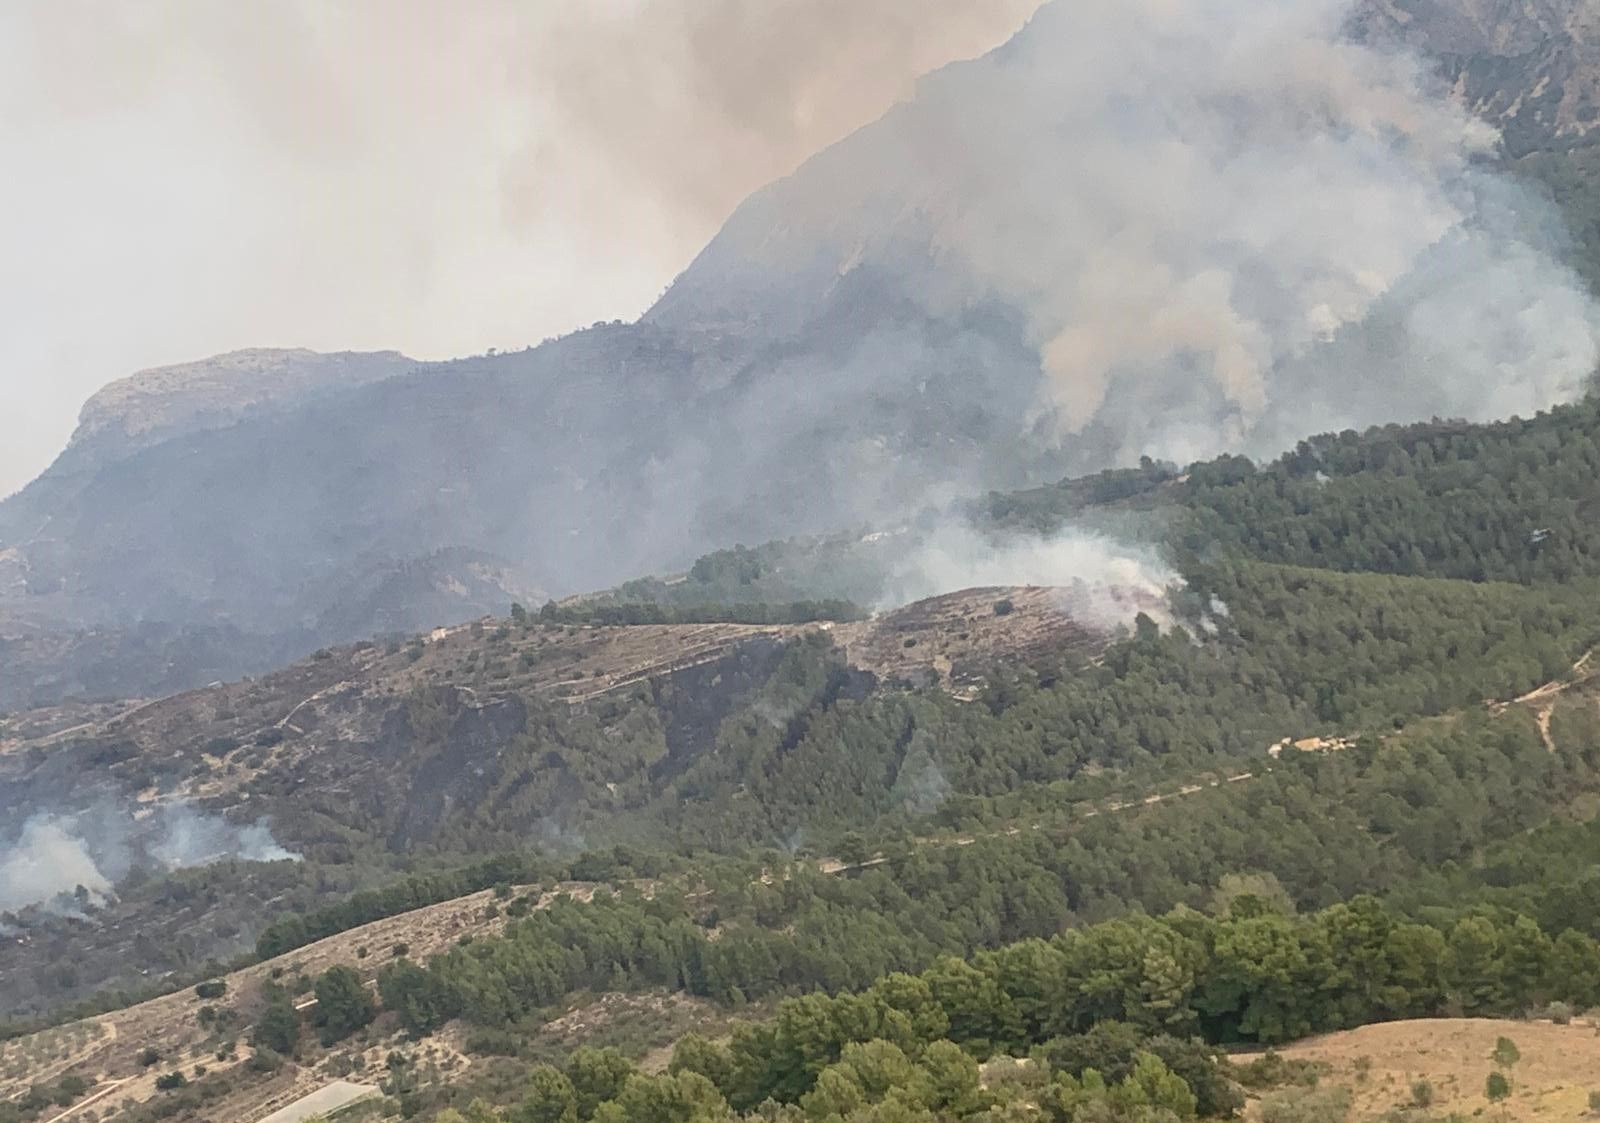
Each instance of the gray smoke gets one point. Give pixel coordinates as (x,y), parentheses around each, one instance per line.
(1247,228)
(1224,224)
(54,854)
(920,785)
(46,860)
(1106,583)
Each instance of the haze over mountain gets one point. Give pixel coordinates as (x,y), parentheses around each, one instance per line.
(1237,227)
(438,179)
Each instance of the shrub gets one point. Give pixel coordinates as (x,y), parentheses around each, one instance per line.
(167,1081)
(1421,1094)
(344,1004)
(265,1060)
(1506,1052)
(215,988)
(492,1043)
(1307,1106)
(70,1088)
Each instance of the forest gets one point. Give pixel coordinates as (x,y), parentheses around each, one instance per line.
(1093,864)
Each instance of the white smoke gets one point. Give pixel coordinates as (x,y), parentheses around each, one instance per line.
(1104,583)
(46,860)
(1225,224)
(55,854)
(1237,190)
(189,838)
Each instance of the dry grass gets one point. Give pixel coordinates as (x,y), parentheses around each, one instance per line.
(1560,1065)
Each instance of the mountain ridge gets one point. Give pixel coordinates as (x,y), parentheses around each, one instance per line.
(840,321)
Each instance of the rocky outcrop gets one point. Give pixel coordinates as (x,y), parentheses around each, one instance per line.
(161,402)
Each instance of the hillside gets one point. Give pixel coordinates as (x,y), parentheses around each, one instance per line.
(455,1057)
(152,405)
(1530,68)
(698,737)
(469,739)
(907,328)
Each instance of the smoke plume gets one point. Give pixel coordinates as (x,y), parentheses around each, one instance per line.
(1223,223)
(1105,583)
(54,854)
(46,860)
(1243,227)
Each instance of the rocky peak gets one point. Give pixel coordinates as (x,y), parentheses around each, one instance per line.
(156,403)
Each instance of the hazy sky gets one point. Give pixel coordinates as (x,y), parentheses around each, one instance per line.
(184,177)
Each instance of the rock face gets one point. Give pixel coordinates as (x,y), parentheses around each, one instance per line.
(1531,67)
(157,404)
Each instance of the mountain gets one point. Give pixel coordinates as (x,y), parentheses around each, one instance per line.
(1051,260)
(154,406)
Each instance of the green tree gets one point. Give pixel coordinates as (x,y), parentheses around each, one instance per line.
(344,1005)
(1497,1087)
(478,1111)
(1506,1054)
(421,998)
(1250,894)
(687,1097)
(953,1088)
(550,1098)
(852,849)
(597,1075)
(695,1053)
(278,1028)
